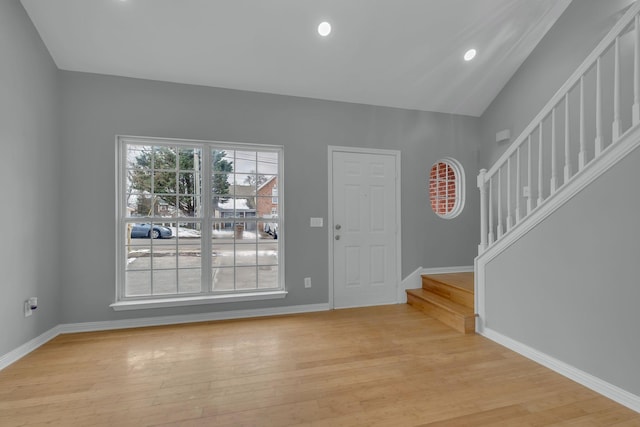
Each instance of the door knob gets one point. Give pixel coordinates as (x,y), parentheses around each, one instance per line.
(338,226)
(338,237)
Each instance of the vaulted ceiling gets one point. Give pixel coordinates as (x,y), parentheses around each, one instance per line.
(398,53)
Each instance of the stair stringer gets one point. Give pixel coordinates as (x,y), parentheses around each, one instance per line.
(609,157)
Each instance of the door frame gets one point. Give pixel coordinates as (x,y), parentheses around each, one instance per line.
(396,154)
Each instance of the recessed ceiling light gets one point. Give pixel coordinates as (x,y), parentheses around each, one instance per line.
(470,54)
(324,29)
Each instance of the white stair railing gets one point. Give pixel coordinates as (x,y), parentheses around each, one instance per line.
(606,87)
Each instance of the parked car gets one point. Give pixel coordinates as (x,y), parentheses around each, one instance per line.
(271,228)
(141,231)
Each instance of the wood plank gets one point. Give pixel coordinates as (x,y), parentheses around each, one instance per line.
(457,316)
(441,302)
(463,281)
(454,292)
(379,366)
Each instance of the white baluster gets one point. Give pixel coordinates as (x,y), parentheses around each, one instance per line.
(509,218)
(482,185)
(518,185)
(582,155)
(491,235)
(636,73)
(615,128)
(567,140)
(529,175)
(554,166)
(598,141)
(540,199)
(500,226)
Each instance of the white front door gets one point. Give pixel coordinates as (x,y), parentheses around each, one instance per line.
(364,229)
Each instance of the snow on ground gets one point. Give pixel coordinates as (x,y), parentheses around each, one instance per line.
(185,232)
(228,234)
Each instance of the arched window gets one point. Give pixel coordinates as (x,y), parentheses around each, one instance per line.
(446,188)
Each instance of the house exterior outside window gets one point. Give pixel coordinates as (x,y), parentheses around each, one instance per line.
(205,205)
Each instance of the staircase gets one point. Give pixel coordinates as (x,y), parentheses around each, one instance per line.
(448,298)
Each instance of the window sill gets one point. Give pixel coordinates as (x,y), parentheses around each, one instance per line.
(198,300)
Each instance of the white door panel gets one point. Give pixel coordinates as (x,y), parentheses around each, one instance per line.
(364,229)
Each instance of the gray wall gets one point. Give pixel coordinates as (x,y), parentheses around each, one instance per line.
(570,287)
(96,108)
(29,173)
(572,38)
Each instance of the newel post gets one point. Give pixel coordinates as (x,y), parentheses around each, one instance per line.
(482,185)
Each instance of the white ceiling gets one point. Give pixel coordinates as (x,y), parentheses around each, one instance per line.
(398,53)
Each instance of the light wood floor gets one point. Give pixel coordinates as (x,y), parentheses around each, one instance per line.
(380,366)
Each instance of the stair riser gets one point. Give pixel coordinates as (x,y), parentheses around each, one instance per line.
(452,293)
(466,325)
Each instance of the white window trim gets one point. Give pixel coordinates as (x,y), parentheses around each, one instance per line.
(208,297)
(458,170)
(196,300)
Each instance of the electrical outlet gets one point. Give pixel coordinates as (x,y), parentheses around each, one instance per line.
(27,309)
(30,305)
(307,282)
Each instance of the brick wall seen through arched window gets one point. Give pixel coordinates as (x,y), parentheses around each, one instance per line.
(446,188)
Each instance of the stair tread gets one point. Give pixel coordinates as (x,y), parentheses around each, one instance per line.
(442,302)
(461,281)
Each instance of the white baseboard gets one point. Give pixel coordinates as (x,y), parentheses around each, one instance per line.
(445,270)
(412,281)
(26,348)
(14,355)
(189,318)
(596,384)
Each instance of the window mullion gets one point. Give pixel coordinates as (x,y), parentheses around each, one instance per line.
(176,240)
(151,213)
(206,214)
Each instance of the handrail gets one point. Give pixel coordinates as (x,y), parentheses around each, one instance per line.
(490,183)
(589,62)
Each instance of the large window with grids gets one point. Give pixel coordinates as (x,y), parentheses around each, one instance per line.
(198,221)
